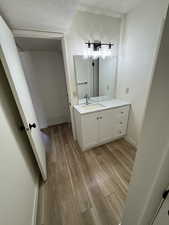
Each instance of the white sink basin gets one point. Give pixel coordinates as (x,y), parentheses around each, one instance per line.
(92,106)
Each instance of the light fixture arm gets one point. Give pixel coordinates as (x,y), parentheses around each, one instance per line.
(97,45)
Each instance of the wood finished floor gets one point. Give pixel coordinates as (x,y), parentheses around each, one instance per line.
(86,188)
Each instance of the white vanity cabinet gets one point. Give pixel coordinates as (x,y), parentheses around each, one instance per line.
(100,127)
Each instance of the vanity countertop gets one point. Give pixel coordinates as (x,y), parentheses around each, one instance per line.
(100,106)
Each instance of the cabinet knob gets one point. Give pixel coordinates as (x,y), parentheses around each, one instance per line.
(121,122)
(122,112)
(101,117)
(33,125)
(97,118)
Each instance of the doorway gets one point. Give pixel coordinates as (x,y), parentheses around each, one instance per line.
(42,61)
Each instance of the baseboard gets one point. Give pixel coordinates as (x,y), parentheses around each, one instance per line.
(57,120)
(41,205)
(101,143)
(131,141)
(35,207)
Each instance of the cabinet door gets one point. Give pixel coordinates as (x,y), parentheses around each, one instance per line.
(105,126)
(90,130)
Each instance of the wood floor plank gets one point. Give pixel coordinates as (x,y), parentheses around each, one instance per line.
(118,183)
(100,203)
(120,160)
(126,147)
(114,166)
(85,188)
(122,155)
(100,174)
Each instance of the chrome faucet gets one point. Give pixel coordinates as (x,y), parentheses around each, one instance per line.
(87,98)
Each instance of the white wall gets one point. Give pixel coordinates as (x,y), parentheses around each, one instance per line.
(44,71)
(18,188)
(140,42)
(151,170)
(87,26)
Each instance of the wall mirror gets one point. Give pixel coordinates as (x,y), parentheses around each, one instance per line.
(95,77)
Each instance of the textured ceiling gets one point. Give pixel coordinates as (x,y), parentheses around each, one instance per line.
(48,15)
(57,15)
(116,7)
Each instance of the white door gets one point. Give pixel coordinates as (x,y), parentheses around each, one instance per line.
(105,126)
(13,68)
(90,130)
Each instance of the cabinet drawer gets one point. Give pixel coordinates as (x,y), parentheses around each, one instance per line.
(121,123)
(122,110)
(120,131)
(121,113)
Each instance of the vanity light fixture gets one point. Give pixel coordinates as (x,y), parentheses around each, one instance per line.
(97,45)
(98,49)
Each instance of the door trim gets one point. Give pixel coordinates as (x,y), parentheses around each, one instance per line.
(57,36)
(37,34)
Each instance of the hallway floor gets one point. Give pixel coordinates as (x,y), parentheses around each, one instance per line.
(86,188)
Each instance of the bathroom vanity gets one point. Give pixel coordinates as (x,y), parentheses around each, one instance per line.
(101,122)
(105,118)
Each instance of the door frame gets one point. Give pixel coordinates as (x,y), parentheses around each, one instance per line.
(58,36)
